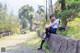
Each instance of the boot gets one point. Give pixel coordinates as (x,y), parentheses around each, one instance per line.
(41,44)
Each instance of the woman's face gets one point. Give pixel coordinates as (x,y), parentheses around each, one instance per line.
(53,18)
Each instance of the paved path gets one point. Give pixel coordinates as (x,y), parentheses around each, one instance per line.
(21,43)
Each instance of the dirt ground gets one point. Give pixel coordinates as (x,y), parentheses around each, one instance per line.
(23,43)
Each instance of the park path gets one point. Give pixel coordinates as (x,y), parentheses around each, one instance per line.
(24,43)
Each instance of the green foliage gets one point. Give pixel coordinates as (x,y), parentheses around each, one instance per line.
(41,15)
(73,29)
(26,14)
(25,11)
(40,10)
(45,46)
(63,33)
(24,23)
(72,10)
(7,21)
(66,16)
(72,0)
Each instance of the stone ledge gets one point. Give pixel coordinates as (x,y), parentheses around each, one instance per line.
(61,44)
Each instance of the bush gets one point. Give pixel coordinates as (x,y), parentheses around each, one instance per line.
(8,23)
(73,30)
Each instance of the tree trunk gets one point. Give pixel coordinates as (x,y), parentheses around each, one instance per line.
(63,7)
(31,25)
(50,7)
(30,20)
(64,24)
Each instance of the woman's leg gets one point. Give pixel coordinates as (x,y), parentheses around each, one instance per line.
(41,44)
(52,30)
(47,35)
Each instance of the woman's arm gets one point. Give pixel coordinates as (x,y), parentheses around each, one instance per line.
(47,26)
(52,24)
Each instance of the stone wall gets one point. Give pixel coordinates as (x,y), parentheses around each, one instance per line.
(61,44)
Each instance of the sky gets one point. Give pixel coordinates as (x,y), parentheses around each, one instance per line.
(15,5)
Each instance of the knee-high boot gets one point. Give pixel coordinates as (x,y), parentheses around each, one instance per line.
(41,44)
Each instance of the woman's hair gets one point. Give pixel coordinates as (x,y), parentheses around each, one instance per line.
(52,15)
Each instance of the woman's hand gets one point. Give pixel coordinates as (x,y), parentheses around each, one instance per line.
(47,26)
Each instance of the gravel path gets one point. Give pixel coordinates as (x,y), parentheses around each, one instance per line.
(14,44)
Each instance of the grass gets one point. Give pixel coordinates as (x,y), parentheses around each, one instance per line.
(13,35)
(74,29)
(45,47)
(33,42)
(31,38)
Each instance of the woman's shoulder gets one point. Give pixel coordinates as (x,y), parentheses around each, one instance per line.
(57,19)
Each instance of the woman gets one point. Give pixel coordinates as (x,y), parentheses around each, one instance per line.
(50,28)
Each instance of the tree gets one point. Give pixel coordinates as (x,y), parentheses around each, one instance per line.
(63,4)
(7,22)
(69,10)
(24,23)
(50,7)
(26,11)
(40,10)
